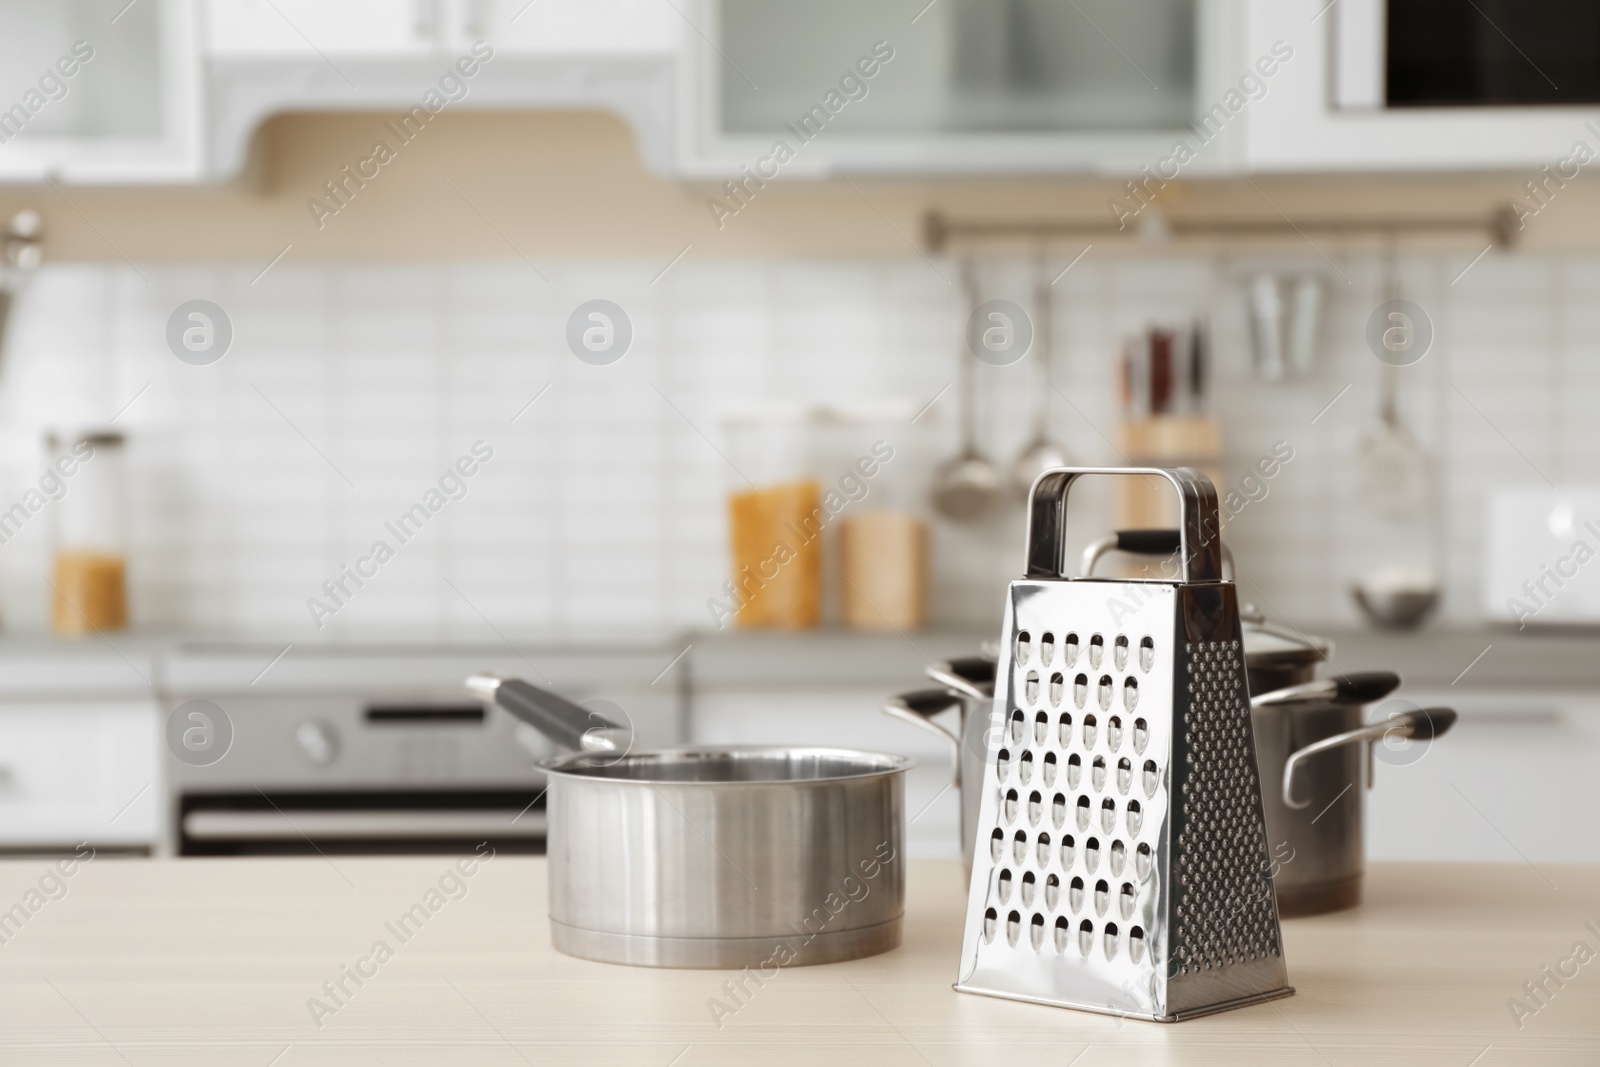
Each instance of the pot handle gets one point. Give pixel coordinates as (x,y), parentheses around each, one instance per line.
(1157,542)
(919,708)
(1418,725)
(567,724)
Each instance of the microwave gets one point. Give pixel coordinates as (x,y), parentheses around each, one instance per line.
(1396,54)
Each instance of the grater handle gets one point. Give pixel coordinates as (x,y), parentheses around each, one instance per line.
(1163,542)
(1200,542)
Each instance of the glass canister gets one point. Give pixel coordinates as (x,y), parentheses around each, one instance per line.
(89,571)
(774,508)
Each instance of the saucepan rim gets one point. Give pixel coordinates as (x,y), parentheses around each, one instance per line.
(592,767)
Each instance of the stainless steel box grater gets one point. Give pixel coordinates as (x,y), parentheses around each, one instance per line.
(1121,862)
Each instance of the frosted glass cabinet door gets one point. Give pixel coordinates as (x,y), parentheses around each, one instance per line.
(99,90)
(969,66)
(961,86)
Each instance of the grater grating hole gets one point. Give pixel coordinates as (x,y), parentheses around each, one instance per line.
(1036,931)
(1052,891)
(1049,769)
(1119,857)
(1142,860)
(1028,881)
(1030,687)
(1080,690)
(1119,652)
(1141,735)
(1068,846)
(1002,764)
(1128,895)
(1035,807)
(1058,810)
(1135,818)
(1016,726)
(1003,885)
(1136,944)
(1011,805)
(1097,650)
(1114,732)
(1063,933)
(1091,854)
(1085,937)
(1107,689)
(1075,895)
(1108,815)
(1147,654)
(1102,896)
(1013,927)
(1043,850)
(1041,728)
(1083,812)
(1064,730)
(1025,767)
(1074,770)
(1089,724)
(990,918)
(1024,647)
(997,844)
(1111,940)
(1124,775)
(1097,773)
(1151,778)
(1019,846)
(1069,649)
(1047,648)
(1130,693)
(1058,688)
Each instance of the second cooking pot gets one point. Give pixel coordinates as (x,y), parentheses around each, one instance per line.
(724,857)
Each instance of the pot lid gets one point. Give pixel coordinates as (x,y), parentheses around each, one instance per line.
(1267,645)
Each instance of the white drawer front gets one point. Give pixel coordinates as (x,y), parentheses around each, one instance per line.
(79,772)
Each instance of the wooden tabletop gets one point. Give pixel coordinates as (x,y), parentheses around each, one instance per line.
(135,962)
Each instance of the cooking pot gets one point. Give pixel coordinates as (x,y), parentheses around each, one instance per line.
(725,857)
(1311,741)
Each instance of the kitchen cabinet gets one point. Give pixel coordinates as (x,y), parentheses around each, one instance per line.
(572,27)
(100,91)
(303,28)
(961,87)
(72,772)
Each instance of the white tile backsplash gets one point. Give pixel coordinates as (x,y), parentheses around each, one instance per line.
(604,501)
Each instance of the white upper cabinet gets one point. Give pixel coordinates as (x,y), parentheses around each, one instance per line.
(569,27)
(99,91)
(294,28)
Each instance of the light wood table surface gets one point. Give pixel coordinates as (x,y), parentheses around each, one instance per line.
(214,962)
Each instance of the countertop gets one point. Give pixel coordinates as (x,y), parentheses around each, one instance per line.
(1479,658)
(216,961)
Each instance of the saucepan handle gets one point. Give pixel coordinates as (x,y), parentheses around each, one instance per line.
(919,708)
(569,725)
(1419,725)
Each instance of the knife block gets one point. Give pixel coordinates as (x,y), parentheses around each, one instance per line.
(1163,441)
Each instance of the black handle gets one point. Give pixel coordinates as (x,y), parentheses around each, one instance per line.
(567,724)
(1364,687)
(1149,542)
(1426,723)
(928,702)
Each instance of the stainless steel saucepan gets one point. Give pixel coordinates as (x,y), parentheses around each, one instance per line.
(725,857)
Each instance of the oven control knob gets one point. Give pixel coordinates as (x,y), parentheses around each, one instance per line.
(318,742)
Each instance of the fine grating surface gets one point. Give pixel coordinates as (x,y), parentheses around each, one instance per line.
(1224,913)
